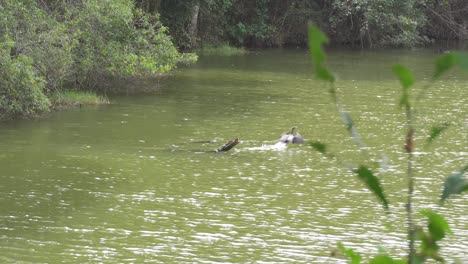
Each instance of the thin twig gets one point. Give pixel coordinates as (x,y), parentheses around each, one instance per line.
(409,204)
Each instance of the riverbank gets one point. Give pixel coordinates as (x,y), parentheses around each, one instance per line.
(222,50)
(52,52)
(59,101)
(70,99)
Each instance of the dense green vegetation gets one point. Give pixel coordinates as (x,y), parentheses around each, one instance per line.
(273,23)
(223,50)
(75,98)
(50,46)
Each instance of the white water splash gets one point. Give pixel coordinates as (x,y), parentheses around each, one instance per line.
(279,146)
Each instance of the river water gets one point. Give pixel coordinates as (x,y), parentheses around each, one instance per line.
(137,181)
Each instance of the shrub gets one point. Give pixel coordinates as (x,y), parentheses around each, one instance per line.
(21,92)
(40,37)
(113,38)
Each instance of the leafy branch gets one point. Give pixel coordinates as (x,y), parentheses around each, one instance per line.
(316,41)
(454,184)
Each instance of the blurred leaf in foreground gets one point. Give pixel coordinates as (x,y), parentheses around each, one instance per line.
(455,184)
(354,256)
(436,131)
(385,259)
(438,228)
(407,80)
(316,41)
(437,225)
(319,146)
(444,63)
(373,183)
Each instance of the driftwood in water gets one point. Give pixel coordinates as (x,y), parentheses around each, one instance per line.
(229,145)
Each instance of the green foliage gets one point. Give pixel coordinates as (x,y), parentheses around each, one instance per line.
(437,229)
(436,131)
(113,38)
(249,23)
(377,22)
(448,61)
(238,33)
(79,45)
(73,98)
(373,183)
(444,63)
(405,76)
(437,225)
(320,147)
(407,80)
(177,16)
(262,23)
(40,37)
(21,92)
(223,50)
(385,259)
(454,184)
(266,23)
(354,256)
(316,41)
(445,19)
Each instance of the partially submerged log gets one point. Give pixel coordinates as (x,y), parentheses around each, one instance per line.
(229,145)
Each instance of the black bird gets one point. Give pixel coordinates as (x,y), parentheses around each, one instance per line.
(292,137)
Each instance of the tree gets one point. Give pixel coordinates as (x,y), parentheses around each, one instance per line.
(377,23)
(79,45)
(447,19)
(22,89)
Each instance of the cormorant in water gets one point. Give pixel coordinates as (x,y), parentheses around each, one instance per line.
(292,137)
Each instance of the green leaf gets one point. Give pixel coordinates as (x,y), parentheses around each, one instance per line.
(404,100)
(407,80)
(373,183)
(454,184)
(436,131)
(385,259)
(405,76)
(444,63)
(323,73)
(437,225)
(354,256)
(418,259)
(316,41)
(465,188)
(319,146)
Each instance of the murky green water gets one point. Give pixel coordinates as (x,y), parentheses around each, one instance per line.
(131,183)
